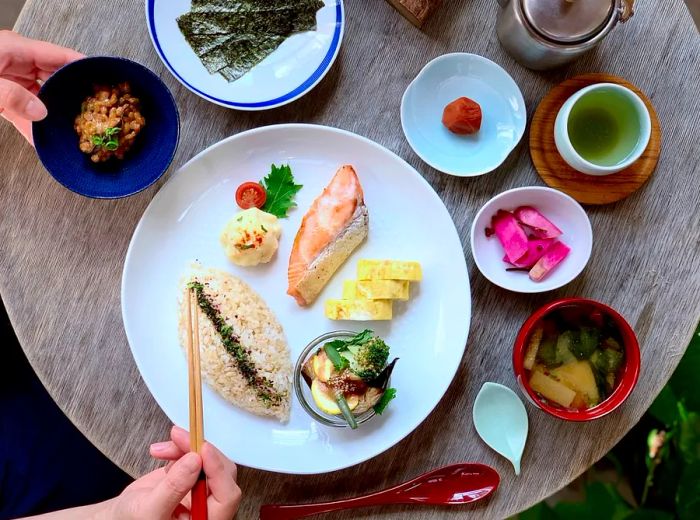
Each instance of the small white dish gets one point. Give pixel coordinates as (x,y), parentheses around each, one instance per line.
(642,128)
(501,421)
(292,70)
(561,210)
(445,79)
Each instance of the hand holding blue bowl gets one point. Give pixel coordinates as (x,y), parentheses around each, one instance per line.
(57,142)
(23,63)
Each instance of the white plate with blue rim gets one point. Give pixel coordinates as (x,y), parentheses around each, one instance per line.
(289,72)
(445,79)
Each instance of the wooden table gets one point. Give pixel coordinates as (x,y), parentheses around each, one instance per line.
(61,255)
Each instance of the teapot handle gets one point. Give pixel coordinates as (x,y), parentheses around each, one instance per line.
(626,10)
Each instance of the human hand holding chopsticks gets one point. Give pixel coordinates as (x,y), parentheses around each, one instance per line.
(164,493)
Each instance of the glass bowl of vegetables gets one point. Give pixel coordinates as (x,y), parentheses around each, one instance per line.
(576,359)
(342,378)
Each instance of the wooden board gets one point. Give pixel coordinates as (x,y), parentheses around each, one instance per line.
(588,189)
(416,11)
(61,255)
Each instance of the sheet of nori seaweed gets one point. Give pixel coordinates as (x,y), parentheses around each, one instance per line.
(275,21)
(255,54)
(239,48)
(232,36)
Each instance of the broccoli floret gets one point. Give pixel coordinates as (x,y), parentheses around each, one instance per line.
(368,359)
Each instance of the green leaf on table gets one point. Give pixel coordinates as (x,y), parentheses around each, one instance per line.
(665,479)
(573,510)
(688,494)
(649,514)
(280,188)
(689,438)
(617,464)
(684,379)
(665,407)
(541,511)
(603,501)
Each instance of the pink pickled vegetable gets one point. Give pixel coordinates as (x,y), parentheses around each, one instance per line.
(540,225)
(551,258)
(510,234)
(535,249)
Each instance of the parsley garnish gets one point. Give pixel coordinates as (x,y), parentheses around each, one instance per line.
(280,188)
(109,141)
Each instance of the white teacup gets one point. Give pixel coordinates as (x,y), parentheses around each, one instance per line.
(608,123)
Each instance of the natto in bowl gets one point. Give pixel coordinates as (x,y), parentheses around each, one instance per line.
(56,140)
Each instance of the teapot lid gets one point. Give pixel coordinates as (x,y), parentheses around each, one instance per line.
(568,20)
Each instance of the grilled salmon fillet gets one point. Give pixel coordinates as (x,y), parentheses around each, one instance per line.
(336,223)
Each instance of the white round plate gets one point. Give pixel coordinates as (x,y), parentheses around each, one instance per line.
(182,224)
(445,79)
(293,69)
(558,207)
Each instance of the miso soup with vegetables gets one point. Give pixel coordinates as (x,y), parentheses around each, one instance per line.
(574,357)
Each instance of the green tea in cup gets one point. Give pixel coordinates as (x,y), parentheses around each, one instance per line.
(602,129)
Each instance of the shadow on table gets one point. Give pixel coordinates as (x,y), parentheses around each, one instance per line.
(45,462)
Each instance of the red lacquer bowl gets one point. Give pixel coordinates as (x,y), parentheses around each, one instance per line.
(629,376)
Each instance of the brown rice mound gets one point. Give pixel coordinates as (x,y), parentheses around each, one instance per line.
(259,332)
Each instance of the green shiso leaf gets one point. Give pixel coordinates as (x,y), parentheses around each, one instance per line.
(281,189)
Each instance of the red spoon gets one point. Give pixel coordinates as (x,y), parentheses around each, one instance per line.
(452,485)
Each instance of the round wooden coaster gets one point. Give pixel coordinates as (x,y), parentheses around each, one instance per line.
(587,189)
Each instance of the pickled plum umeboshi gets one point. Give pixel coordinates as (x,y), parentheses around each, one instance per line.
(462,116)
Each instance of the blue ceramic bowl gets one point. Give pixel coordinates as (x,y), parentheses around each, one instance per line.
(445,79)
(56,141)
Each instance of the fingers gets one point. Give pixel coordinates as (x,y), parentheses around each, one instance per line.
(22,62)
(48,56)
(43,75)
(173,449)
(26,54)
(221,479)
(170,491)
(20,80)
(22,125)
(19,102)
(167,450)
(181,513)
(181,438)
(225,495)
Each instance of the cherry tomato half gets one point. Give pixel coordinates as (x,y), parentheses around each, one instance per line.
(250,195)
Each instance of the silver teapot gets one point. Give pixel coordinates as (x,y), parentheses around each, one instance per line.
(541,34)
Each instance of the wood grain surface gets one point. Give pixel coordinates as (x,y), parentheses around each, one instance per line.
(61,255)
(555,172)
